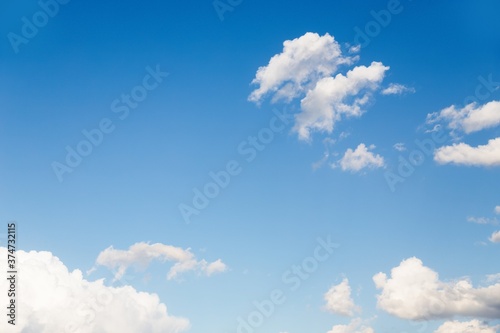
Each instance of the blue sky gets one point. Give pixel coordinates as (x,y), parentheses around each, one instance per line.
(435,59)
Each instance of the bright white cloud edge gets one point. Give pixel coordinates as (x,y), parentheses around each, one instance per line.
(52,299)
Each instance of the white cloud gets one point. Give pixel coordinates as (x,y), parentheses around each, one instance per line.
(493,278)
(338,299)
(469,119)
(486,155)
(52,299)
(399,146)
(335,97)
(362,157)
(497,209)
(355,326)
(355,49)
(415,292)
(473,326)
(141,254)
(302,63)
(305,69)
(482,220)
(397,89)
(495,237)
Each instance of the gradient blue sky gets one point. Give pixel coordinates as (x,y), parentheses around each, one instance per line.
(128,190)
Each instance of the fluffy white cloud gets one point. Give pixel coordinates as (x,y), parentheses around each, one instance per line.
(484,155)
(302,63)
(495,237)
(338,299)
(469,119)
(473,326)
(141,254)
(305,69)
(355,326)
(497,209)
(415,292)
(362,157)
(52,299)
(335,97)
(397,89)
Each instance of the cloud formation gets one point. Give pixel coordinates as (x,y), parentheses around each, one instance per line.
(305,69)
(355,326)
(495,237)
(336,97)
(338,299)
(141,254)
(361,158)
(462,154)
(482,220)
(302,63)
(399,146)
(414,291)
(52,299)
(473,326)
(397,89)
(469,119)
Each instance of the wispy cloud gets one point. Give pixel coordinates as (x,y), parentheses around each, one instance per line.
(141,254)
(397,89)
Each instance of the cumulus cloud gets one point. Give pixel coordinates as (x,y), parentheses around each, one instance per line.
(469,119)
(495,237)
(338,299)
(302,63)
(362,157)
(462,154)
(335,97)
(497,209)
(355,326)
(141,254)
(473,326)
(307,69)
(397,89)
(414,291)
(53,299)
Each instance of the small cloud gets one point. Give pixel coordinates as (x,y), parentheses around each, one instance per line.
(487,155)
(141,254)
(361,158)
(355,326)
(469,119)
(397,89)
(338,299)
(495,237)
(399,146)
(355,49)
(493,278)
(328,143)
(497,210)
(482,220)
